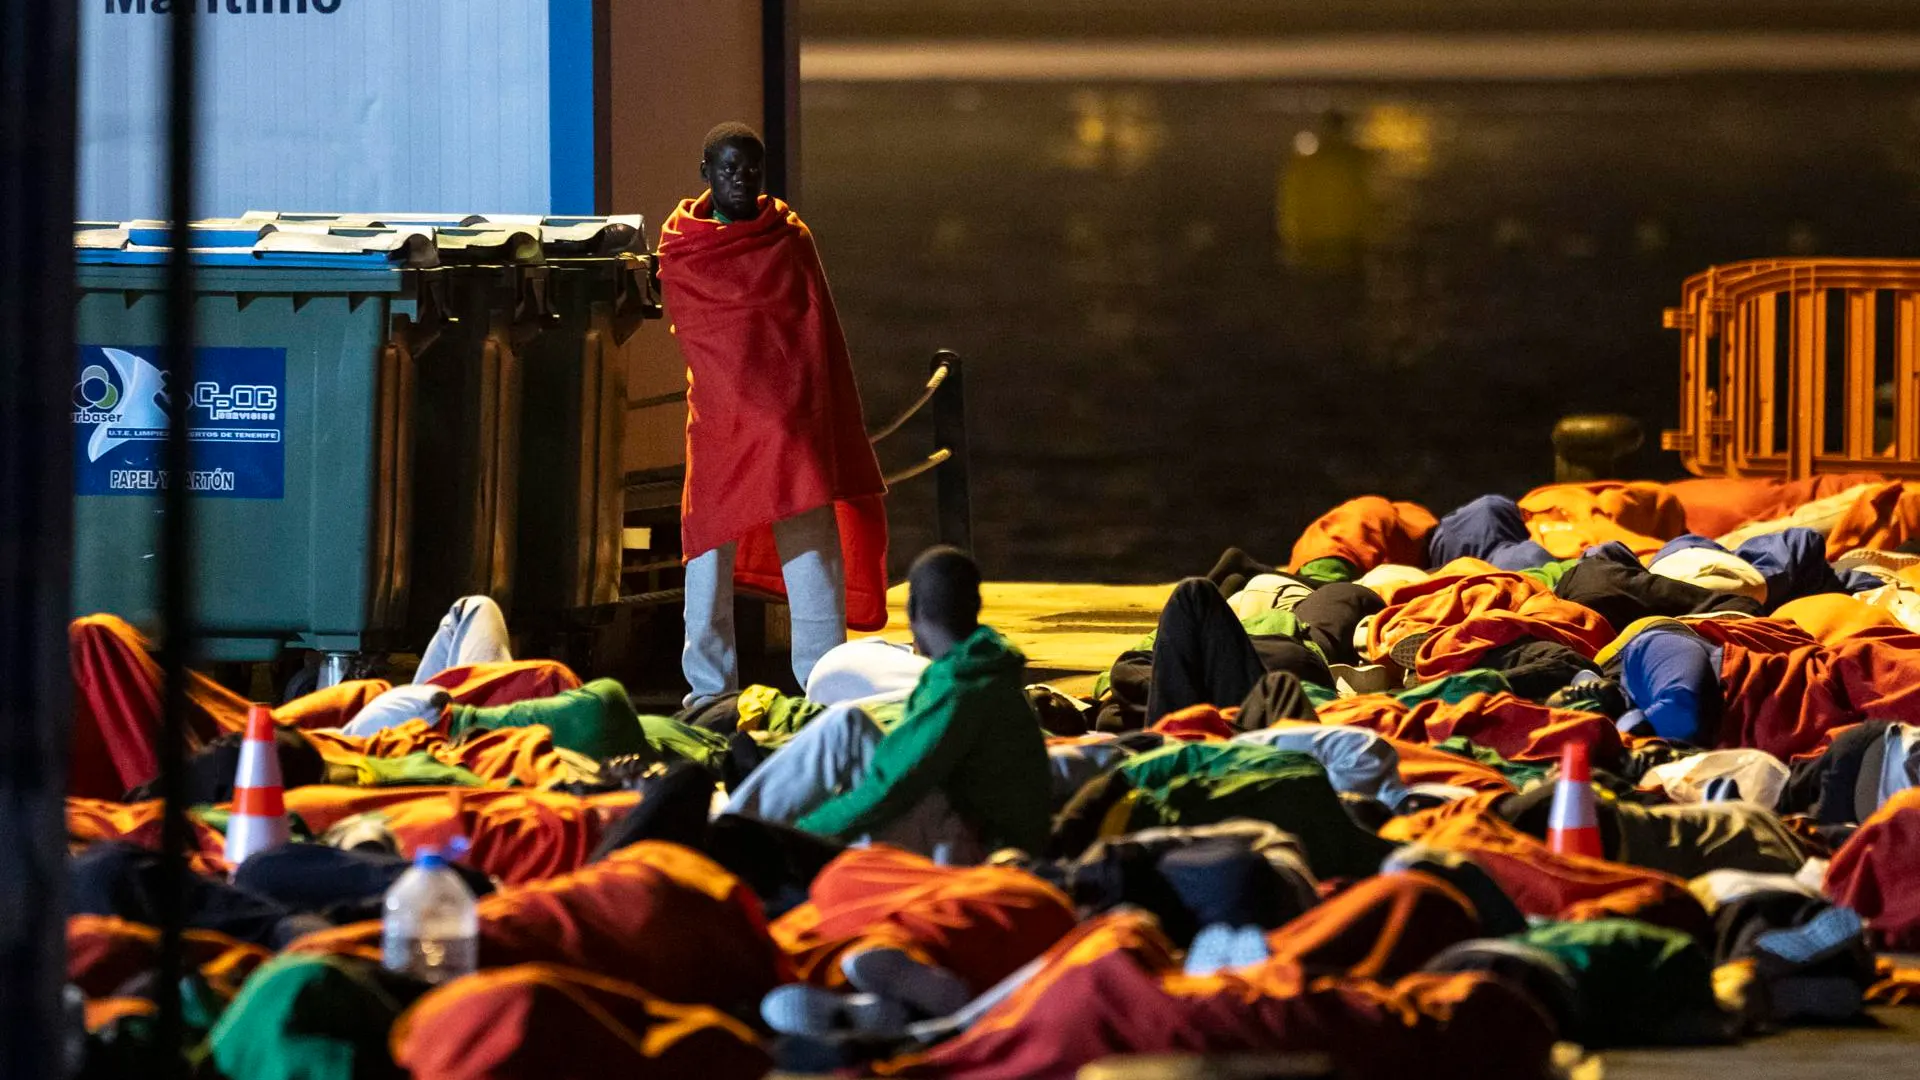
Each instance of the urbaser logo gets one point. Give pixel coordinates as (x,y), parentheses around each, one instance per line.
(124,399)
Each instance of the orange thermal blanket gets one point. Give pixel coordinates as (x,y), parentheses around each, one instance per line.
(1566,519)
(657,915)
(1368,532)
(774,425)
(979,922)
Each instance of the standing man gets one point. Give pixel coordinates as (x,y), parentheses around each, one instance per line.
(782,486)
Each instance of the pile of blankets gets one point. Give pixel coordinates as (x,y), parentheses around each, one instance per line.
(1308,815)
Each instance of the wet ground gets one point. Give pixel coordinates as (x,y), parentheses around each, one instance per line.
(1881,1048)
(1885,1047)
(1155,375)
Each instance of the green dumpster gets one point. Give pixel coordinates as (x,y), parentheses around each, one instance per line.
(465,474)
(467,418)
(301,418)
(600,287)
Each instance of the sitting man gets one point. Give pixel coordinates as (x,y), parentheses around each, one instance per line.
(964,772)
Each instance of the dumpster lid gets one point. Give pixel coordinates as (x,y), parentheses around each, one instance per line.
(108,236)
(231,242)
(150,255)
(211,234)
(575,236)
(489,244)
(363,220)
(594,236)
(480,238)
(408,240)
(402,247)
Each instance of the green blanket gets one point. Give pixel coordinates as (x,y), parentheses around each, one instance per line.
(596,720)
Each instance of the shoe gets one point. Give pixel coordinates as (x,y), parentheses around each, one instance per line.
(1361,678)
(799,1009)
(1212,949)
(363,832)
(1721,789)
(1250,947)
(1822,936)
(1406,651)
(1219,947)
(895,976)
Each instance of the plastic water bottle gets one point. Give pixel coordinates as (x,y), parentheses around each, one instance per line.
(430,930)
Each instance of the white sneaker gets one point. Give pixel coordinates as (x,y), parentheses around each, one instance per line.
(1354,679)
(1250,947)
(1213,949)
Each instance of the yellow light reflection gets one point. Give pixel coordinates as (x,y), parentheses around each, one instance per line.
(1401,136)
(1118,130)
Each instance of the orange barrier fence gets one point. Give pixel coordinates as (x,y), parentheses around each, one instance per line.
(1794,367)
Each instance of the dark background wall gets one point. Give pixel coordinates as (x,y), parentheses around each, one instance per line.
(1080,18)
(674,70)
(1156,374)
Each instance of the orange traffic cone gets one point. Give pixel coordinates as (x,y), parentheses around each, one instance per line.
(1574,828)
(259,818)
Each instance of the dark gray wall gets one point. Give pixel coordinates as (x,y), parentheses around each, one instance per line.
(1080,18)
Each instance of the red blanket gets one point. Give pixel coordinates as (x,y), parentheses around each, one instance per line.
(1113,987)
(545,1020)
(1789,701)
(105,953)
(979,922)
(1542,882)
(663,918)
(1448,605)
(774,426)
(1875,872)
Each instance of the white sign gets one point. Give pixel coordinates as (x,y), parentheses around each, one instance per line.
(342,105)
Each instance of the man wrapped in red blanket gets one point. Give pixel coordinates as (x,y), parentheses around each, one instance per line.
(782,486)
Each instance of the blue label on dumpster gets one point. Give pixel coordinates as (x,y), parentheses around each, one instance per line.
(236,415)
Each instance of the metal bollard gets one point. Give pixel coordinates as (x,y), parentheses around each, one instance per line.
(1593,446)
(953,492)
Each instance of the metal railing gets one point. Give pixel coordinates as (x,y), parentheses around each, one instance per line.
(945,393)
(953,498)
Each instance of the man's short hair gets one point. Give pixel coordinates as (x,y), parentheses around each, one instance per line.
(731,131)
(944,585)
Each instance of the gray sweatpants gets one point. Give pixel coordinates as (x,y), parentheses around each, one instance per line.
(828,757)
(810,561)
